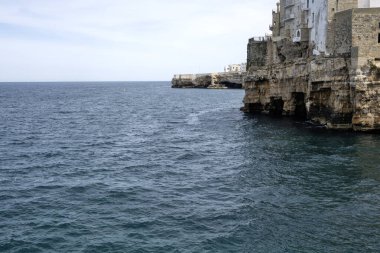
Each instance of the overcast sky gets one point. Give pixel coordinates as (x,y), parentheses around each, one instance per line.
(125,40)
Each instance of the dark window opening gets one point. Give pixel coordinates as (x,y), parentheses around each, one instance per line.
(379,25)
(378,39)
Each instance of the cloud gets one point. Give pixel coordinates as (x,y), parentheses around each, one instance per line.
(73,40)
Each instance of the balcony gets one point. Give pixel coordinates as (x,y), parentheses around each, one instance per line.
(289,3)
(289,17)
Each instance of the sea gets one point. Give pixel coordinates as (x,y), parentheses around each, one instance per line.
(140,167)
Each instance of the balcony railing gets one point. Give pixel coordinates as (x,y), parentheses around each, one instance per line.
(260,39)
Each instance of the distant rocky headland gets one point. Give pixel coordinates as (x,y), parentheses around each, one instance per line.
(223,80)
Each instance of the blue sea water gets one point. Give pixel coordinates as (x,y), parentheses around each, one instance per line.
(140,167)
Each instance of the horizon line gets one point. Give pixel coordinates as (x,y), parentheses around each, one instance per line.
(84,81)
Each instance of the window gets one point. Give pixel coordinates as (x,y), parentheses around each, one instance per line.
(308,4)
(379,25)
(378,39)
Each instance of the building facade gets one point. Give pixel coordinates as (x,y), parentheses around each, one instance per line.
(309,20)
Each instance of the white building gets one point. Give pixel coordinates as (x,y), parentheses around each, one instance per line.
(318,18)
(235,68)
(368,3)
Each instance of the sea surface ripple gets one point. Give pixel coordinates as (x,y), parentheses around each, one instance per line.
(139,167)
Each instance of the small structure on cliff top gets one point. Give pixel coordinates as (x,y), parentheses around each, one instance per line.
(321,63)
(236,67)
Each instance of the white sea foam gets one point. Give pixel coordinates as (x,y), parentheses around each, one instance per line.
(194,118)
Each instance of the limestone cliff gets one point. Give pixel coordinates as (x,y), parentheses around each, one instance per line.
(339,89)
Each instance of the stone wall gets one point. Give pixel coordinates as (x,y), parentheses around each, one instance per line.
(257,52)
(341,33)
(346,4)
(366,34)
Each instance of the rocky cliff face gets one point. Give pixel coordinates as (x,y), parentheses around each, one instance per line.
(210,80)
(339,90)
(323,90)
(366,102)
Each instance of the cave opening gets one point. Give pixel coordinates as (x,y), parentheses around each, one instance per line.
(255,108)
(300,111)
(276,106)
